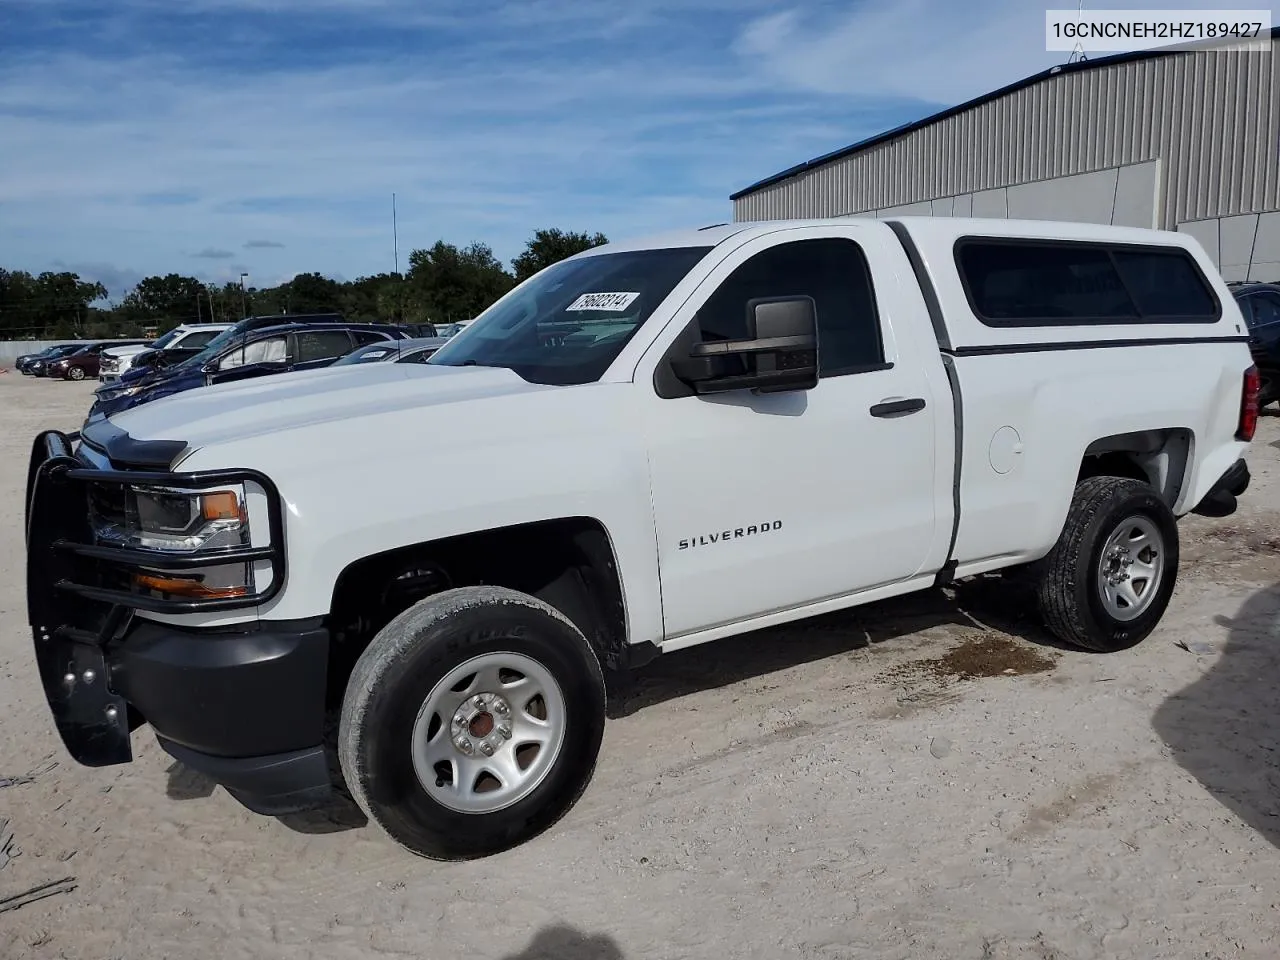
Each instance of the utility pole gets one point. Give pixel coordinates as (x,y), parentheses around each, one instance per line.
(244,307)
(395,246)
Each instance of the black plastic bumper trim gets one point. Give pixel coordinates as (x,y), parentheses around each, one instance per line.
(273,785)
(1220,501)
(249,692)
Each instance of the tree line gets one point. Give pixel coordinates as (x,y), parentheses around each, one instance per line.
(444,283)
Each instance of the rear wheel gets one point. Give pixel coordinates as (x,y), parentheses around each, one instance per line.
(472,722)
(1107,581)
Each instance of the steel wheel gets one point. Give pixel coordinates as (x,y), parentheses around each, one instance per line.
(488,733)
(1130,568)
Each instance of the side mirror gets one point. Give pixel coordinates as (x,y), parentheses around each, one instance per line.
(780,354)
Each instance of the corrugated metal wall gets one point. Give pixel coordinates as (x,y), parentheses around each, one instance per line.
(1213,117)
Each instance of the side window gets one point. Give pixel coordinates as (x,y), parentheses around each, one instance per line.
(422,356)
(833,272)
(1266,310)
(1166,283)
(322,345)
(196,340)
(364,337)
(1023,283)
(272,350)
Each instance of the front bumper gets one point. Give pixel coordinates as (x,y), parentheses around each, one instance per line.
(1220,501)
(244,704)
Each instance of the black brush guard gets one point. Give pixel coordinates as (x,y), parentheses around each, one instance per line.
(75,606)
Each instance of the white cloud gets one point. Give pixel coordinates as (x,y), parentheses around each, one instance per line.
(937,51)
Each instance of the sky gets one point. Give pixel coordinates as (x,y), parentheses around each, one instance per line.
(220,137)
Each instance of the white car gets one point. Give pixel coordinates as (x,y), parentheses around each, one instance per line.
(647,446)
(181,339)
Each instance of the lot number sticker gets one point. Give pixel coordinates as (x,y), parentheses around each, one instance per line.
(613,302)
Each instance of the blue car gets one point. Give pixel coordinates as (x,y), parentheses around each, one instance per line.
(239,354)
(1260,304)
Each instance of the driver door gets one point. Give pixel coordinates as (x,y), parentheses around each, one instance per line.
(765,503)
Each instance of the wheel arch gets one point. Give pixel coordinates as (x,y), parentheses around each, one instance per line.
(568,562)
(1160,457)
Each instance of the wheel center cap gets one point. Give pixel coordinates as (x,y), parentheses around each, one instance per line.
(482,725)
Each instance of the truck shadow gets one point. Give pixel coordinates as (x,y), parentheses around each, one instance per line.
(1222,729)
(996,603)
(563,942)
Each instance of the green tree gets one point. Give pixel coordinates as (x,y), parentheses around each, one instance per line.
(447,283)
(379,298)
(311,293)
(165,301)
(551,246)
(31,306)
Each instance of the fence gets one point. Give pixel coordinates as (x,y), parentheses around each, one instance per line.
(10,350)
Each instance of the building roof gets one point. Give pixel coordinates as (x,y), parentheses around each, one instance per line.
(906,128)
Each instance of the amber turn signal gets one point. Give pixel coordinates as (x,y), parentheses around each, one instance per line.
(185,587)
(223,505)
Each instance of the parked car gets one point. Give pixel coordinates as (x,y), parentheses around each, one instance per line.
(448,330)
(253,353)
(400,351)
(85,362)
(1260,304)
(749,425)
(36,364)
(178,344)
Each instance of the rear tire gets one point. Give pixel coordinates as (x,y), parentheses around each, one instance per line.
(1107,581)
(486,668)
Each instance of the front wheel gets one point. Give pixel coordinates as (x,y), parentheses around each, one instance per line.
(75,373)
(472,722)
(1107,581)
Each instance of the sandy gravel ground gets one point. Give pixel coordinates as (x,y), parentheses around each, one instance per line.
(844,789)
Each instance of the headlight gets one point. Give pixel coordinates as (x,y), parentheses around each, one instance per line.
(115,393)
(176,521)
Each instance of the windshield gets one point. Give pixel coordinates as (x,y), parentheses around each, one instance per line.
(369,354)
(211,350)
(165,340)
(566,325)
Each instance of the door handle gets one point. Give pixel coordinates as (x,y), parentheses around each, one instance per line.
(897,408)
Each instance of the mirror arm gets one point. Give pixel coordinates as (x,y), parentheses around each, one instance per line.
(717,348)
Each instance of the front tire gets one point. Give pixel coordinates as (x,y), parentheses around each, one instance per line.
(1107,581)
(75,373)
(472,722)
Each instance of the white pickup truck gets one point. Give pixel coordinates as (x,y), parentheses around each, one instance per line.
(647,446)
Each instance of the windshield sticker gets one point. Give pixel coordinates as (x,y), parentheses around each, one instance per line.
(614,302)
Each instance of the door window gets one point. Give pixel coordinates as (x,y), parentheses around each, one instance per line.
(834,273)
(271,350)
(363,337)
(322,345)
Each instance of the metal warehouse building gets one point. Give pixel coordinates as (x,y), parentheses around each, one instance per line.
(1186,140)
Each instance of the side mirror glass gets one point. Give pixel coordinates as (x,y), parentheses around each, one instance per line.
(780,353)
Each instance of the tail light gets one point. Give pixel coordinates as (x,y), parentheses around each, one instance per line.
(1249,405)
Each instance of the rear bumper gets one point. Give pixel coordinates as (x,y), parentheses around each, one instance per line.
(1220,501)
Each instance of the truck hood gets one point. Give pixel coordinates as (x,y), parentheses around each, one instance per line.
(255,408)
